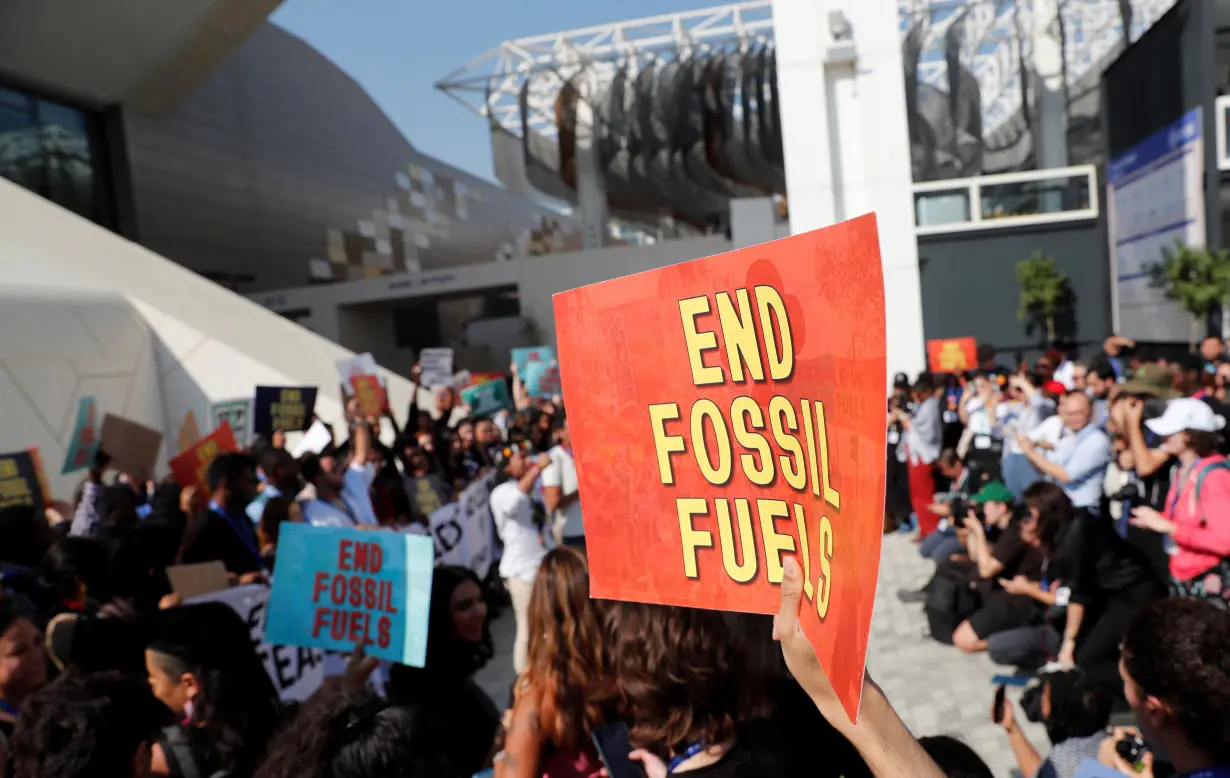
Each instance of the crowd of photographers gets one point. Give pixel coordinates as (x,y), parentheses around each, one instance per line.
(1076,510)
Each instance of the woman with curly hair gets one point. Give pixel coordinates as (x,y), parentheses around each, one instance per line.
(555,706)
(458,645)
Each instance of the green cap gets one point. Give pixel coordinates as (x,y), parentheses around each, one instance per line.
(1151,380)
(993,491)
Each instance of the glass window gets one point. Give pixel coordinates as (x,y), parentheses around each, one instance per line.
(50,148)
(1036,197)
(951,206)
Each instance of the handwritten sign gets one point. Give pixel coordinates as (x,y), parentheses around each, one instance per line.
(437,366)
(337,588)
(236,413)
(286,408)
(22,480)
(190,467)
(731,406)
(541,379)
(487,398)
(133,448)
(373,400)
(521,357)
(349,367)
(952,355)
(84,442)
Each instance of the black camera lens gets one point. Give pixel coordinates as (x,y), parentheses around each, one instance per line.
(1130,749)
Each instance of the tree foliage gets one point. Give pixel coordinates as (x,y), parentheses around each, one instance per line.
(1044,292)
(1195,278)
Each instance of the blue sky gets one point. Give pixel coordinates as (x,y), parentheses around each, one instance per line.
(398,49)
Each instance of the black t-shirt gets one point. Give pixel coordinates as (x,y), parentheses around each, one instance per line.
(1017,556)
(1096,564)
(231,542)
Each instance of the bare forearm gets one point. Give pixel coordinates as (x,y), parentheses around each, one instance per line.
(881,738)
(1076,615)
(1047,467)
(1026,757)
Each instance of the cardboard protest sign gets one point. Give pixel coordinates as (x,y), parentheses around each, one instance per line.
(426,493)
(133,448)
(315,440)
(952,355)
(196,579)
(286,408)
(462,531)
(189,468)
(487,398)
(373,400)
(189,433)
(482,378)
(727,412)
(236,413)
(296,672)
(22,480)
(541,379)
(349,367)
(84,441)
(461,379)
(527,354)
(436,365)
(336,588)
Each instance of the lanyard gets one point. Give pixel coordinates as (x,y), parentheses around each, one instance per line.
(1221,771)
(244,536)
(1071,452)
(689,752)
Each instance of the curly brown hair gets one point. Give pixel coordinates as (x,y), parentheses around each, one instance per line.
(681,675)
(564,660)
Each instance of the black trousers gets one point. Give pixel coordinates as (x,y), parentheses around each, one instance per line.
(1097,644)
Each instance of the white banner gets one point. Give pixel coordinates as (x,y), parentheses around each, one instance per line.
(462,529)
(437,366)
(296,672)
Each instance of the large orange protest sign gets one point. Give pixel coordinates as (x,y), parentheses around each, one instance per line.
(728,412)
(952,355)
(190,467)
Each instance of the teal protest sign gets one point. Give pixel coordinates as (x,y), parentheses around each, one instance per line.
(337,588)
(84,442)
(487,398)
(541,379)
(521,357)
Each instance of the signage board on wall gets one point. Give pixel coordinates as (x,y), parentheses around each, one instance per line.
(1155,197)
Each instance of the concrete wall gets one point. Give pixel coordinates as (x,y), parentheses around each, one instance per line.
(208,344)
(279,158)
(540,277)
(969,284)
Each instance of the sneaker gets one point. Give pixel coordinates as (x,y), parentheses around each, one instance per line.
(911,595)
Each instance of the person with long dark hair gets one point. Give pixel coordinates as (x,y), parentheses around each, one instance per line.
(202,666)
(458,645)
(23,666)
(919,449)
(555,708)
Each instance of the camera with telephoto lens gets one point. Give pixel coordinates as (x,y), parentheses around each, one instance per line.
(1129,492)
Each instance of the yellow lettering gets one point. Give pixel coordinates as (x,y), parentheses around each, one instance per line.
(826,574)
(740,335)
(665,444)
(744,571)
(810,435)
(775,543)
(692,538)
(8,468)
(719,475)
(822,435)
(741,410)
(780,354)
(780,410)
(698,342)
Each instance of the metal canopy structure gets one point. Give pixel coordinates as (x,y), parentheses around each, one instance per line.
(684,106)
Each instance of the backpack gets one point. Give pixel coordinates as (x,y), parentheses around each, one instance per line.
(949,602)
(179,750)
(1201,474)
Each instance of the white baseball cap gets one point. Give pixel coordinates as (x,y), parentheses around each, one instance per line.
(1186,413)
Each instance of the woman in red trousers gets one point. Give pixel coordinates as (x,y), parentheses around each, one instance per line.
(920,447)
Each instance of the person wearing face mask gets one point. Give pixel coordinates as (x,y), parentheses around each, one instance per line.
(1197,512)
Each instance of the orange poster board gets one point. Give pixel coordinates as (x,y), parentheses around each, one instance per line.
(952,355)
(373,401)
(728,412)
(189,468)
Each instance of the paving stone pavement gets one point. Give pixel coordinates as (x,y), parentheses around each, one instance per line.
(936,689)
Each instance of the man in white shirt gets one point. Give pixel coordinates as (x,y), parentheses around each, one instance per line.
(559,489)
(513,514)
(343,491)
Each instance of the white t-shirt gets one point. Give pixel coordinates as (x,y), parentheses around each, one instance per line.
(1050,430)
(562,472)
(356,496)
(513,514)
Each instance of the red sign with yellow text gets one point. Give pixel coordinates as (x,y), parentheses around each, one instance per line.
(373,401)
(189,468)
(952,355)
(728,412)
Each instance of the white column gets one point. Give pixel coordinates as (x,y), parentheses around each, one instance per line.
(847,143)
(1046,85)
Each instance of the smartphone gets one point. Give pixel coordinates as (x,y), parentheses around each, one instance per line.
(1010,680)
(611,743)
(997,707)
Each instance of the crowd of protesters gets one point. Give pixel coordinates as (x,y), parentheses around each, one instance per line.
(1075,510)
(104,671)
